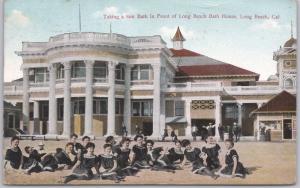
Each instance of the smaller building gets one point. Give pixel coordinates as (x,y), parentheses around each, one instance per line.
(276,119)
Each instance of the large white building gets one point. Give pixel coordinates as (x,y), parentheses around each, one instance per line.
(93,83)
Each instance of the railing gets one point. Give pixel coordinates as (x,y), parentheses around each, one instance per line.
(251,88)
(97,38)
(91,37)
(141,82)
(189,86)
(39,84)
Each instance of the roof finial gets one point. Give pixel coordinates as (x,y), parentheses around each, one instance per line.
(291,28)
(79,17)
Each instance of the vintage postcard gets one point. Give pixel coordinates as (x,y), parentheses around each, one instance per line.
(150,92)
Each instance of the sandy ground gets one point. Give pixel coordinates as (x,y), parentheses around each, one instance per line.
(270,163)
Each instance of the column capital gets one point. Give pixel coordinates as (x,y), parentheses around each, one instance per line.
(155,65)
(25,71)
(89,63)
(112,64)
(51,67)
(67,64)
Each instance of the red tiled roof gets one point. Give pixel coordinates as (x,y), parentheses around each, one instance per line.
(178,36)
(212,70)
(183,53)
(283,102)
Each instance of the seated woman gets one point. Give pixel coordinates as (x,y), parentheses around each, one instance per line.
(65,158)
(212,151)
(232,167)
(123,159)
(76,145)
(157,158)
(32,163)
(139,159)
(175,155)
(13,155)
(194,156)
(109,163)
(82,170)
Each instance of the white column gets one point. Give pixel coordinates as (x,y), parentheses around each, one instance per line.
(257,127)
(188,130)
(25,107)
(88,118)
(67,99)
(111,113)
(36,118)
(240,113)
(52,130)
(218,117)
(156,102)
(127,100)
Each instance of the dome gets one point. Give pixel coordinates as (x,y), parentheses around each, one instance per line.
(290,43)
(273,78)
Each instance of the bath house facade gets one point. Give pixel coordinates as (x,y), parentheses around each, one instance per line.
(95,83)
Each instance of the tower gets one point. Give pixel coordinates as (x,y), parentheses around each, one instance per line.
(178,40)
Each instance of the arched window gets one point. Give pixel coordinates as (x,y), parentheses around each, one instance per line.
(288,83)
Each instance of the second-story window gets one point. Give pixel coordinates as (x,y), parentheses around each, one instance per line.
(120,72)
(100,70)
(140,72)
(135,73)
(78,69)
(144,72)
(60,71)
(41,75)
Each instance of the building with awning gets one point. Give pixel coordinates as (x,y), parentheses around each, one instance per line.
(278,116)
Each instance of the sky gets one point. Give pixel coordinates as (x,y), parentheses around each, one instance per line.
(241,41)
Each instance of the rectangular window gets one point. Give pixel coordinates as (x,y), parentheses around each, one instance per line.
(41,75)
(119,106)
(60,72)
(135,73)
(135,108)
(78,106)
(144,72)
(146,108)
(230,112)
(103,106)
(179,108)
(100,70)
(120,72)
(60,109)
(78,70)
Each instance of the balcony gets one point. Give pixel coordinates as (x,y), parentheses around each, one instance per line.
(189,86)
(252,90)
(93,38)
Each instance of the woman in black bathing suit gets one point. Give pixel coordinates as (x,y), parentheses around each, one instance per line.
(82,170)
(123,159)
(140,154)
(232,167)
(194,156)
(211,151)
(14,155)
(156,158)
(108,162)
(64,158)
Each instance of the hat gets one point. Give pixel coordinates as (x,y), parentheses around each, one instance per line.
(41,143)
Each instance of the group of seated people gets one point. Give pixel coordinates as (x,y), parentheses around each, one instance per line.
(119,160)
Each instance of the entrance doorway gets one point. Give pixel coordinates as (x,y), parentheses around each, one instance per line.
(147,128)
(201,125)
(287,129)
